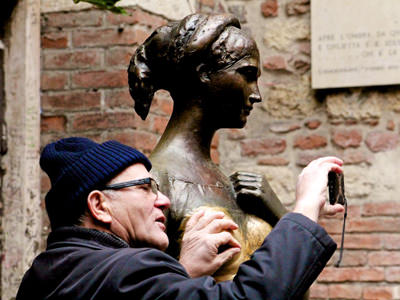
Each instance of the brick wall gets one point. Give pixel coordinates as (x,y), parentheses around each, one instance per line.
(84,92)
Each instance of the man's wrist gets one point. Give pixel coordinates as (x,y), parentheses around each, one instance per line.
(308,211)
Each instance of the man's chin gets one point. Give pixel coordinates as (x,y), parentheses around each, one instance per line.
(163,242)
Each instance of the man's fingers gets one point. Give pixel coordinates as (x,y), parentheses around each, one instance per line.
(331,210)
(219,225)
(226,256)
(207,218)
(225,238)
(327,159)
(194,219)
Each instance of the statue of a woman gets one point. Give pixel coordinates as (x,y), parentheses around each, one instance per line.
(210,67)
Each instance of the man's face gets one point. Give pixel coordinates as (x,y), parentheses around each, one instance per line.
(137,213)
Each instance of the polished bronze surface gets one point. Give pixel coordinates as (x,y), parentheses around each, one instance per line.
(210,66)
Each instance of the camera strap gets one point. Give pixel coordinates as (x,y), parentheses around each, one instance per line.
(337,264)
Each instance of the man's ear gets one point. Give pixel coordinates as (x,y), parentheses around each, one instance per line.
(98,206)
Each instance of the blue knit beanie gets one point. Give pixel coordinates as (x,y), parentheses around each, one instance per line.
(76,166)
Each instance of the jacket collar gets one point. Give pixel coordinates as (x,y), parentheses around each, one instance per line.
(79,234)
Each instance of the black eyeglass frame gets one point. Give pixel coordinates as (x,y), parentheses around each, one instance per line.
(148,180)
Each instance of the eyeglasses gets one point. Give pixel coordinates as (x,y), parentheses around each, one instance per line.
(116,186)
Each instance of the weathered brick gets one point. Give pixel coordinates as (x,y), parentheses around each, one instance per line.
(297,7)
(391,208)
(45,184)
(47,138)
(214,153)
(239,11)
(72,59)
(362,274)
(275,62)
(300,64)
(391,241)
(345,291)
(371,122)
(313,124)
(52,124)
(136,17)
(346,138)
(269,8)
(143,141)
(118,98)
(390,125)
(354,211)
(56,40)
(71,101)
(236,134)
(53,81)
(119,57)
(73,19)
(284,127)
(304,159)
(96,121)
(355,157)
(304,47)
(98,79)
(273,161)
(350,258)
(313,141)
(253,147)
(162,103)
(215,141)
(331,225)
(378,292)
(210,3)
(319,291)
(392,274)
(108,37)
(384,258)
(382,141)
(374,225)
(366,241)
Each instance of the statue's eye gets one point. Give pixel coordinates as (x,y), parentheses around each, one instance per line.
(249,72)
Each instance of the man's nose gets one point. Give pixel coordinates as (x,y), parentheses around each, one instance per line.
(162,201)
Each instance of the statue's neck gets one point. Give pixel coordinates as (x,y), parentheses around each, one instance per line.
(188,131)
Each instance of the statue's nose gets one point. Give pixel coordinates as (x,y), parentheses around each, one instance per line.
(255,96)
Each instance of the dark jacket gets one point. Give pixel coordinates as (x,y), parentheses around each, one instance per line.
(88,264)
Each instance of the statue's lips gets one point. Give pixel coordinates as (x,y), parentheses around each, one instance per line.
(247,110)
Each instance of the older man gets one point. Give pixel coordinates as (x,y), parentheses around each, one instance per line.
(108,235)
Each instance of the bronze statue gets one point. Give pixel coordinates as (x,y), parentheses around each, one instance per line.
(210,67)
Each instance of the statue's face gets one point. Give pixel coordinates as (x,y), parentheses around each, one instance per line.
(233,90)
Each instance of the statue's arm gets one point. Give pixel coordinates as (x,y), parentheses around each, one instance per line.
(255,196)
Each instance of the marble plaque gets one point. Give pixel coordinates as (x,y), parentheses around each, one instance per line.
(355,43)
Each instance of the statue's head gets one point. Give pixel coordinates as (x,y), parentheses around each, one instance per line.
(203,56)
